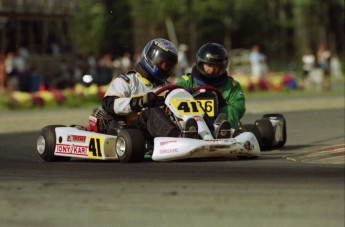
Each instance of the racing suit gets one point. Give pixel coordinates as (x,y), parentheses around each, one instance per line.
(231,90)
(152,122)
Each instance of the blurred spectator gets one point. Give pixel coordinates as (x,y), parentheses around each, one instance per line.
(19,67)
(11,77)
(24,53)
(15,66)
(308,61)
(55,49)
(35,79)
(80,68)
(2,73)
(336,67)
(323,59)
(314,80)
(117,65)
(106,70)
(126,62)
(92,64)
(182,64)
(64,76)
(258,63)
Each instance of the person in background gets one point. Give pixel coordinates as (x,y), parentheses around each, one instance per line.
(182,64)
(308,61)
(336,67)
(126,62)
(211,69)
(131,98)
(2,73)
(323,59)
(258,63)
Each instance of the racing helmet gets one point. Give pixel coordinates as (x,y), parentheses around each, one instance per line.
(157,52)
(212,53)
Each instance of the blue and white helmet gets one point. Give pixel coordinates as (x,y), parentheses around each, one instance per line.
(159,58)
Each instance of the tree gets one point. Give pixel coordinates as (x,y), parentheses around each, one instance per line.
(283,28)
(88,26)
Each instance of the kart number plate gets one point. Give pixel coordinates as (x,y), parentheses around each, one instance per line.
(208,106)
(184,106)
(95,147)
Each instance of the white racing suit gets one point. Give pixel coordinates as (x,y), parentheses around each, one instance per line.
(153,122)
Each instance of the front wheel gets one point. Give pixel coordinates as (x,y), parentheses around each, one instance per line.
(46,142)
(253,129)
(130,145)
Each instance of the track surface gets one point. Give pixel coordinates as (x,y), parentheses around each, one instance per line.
(269,191)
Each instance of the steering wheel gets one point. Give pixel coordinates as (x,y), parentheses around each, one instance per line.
(169,88)
(209,88)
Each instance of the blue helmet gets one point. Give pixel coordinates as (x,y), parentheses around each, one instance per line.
(159,58)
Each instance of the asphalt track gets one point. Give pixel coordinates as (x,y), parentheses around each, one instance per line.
(273,190)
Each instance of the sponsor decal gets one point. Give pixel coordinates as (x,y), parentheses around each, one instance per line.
(71,149)
(76,138)
(167,151)
(167,142)
(63,149)
(220,140)
(79,150)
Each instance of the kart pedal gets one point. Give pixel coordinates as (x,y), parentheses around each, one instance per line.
(190,129)
(223,131)
(220,118)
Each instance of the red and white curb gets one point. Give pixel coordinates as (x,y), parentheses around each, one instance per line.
(326,155)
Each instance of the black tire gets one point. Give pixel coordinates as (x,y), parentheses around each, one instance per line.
(267,133)
(253,129)
(280,117)
(130,146)
(46,142)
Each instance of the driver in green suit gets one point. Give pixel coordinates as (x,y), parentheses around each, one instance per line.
(211,69)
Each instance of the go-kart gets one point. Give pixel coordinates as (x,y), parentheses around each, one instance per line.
(98,141)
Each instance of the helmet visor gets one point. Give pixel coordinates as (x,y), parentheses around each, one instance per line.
(164,60)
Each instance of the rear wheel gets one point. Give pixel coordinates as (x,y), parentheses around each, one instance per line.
(267,133)
(46,142)
(281,118)
(130,145)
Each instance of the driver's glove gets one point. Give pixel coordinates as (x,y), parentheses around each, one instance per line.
(148,100)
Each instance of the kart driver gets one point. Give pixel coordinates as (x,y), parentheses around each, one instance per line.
(211,69)
(131,98)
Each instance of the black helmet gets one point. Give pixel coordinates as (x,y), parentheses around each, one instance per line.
(212,53)
(155,52)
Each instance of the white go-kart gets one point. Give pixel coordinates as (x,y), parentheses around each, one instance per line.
(61,143)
